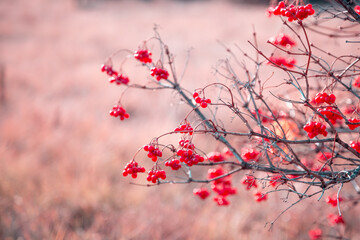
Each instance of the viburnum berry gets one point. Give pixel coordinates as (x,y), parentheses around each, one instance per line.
(356,82)
(202,101)
(315,128)
(355,145)
(260,196)
(189,157)
(186,144)
(203,193)
(221,201)
(143,55)
(153,152)
(333,200)
(353,126)
(119,79)
(281,61)
(185,128)
(335,219)
(133,168)
(276,180)
(250,154)
(174,164)
(293,12)
(282,40)
(216,172)
(331,113)
(118,111)
(357,9)
(249,181)
(159,73)
(154,175)
(315,234)
(109,70)
(324,98)
(215,157)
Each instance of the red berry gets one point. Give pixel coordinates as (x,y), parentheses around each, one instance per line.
(159,73)
(143,56)
(315,234)
(118,111)
(203,193)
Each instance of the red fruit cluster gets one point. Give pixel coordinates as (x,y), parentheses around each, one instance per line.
(159,73)
(185,128)
(174,164)
(202,101)
(331,113)
(315,234)
(186,144)
(335,219)
(333,200)
(315,128)
(281,61)
(118,111)
(119,79)
(324,98)
(133,168)
(355,145)
(153,152)
(250,155)
(215,157)
(203,193)
(283,40)
(108,69)
(356,82)
(276,180)
(154,175)
(293,12)
(259,197)
(353,126)
(189,157)
(114,76)
(143,56)
(221,186)
(357,9)
(249,181)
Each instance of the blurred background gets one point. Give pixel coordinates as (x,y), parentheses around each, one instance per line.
(62,155)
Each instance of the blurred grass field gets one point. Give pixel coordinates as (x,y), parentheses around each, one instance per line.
(62,156)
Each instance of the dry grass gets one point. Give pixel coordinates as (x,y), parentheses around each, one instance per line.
(61,156)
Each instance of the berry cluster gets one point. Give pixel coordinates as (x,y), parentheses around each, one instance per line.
(133,168)
(114,76)
(215,157)
(282,40)
(159,73)
(281,61)
(324,98)
(189,157)
(355,145)
(315,128)
(259,197)
(185,128)
(109,70)
(333,200)
(293,12)
(250,155)
(331,113)
(249,181)
(353,126)
(154,175)
(335,219)
(154,152)
(174,164)
(315,234)
(118,111)
(119,79)
(356,82)
(186,144)
(203,193)
(221,186)
(143,56)
(276,180)
(202,101)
